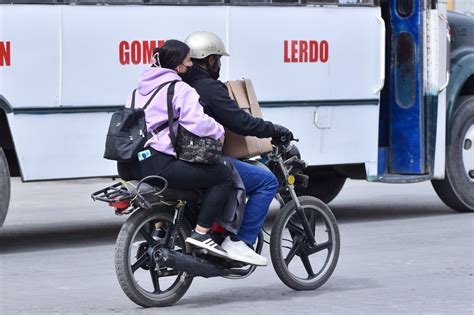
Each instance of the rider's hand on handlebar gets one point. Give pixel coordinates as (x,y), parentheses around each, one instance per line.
(282,135)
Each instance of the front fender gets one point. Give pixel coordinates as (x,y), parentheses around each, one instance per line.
(5,105)
(460,73)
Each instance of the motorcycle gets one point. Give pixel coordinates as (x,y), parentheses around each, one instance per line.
(155,267)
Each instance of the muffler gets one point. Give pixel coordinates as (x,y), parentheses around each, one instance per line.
(192,265)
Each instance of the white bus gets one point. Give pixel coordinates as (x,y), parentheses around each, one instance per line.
(367,86)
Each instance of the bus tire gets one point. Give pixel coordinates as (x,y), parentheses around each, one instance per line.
(325,187)
(4,187)
(456,190)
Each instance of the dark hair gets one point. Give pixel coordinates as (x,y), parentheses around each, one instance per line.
(201,62)
(171,54)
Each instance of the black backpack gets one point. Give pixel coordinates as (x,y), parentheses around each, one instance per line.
(127,130)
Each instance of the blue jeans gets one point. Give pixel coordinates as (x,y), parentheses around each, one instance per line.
(261,186)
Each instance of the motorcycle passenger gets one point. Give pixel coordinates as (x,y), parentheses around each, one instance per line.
(260,184)
(215,180)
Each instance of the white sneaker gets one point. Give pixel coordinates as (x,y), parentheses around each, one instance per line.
(241,252)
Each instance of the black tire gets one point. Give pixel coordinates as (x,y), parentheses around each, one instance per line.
(325,187)
(456,190)
(314,209)
(4,187)
(127,279)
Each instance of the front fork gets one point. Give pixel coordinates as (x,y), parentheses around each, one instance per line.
(299,209)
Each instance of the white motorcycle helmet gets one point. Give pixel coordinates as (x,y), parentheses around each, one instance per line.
(203,44)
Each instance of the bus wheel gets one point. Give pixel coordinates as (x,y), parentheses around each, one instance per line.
(322,186)
(4,187)
(457,188)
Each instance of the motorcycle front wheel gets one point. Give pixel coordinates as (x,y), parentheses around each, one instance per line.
(298,263)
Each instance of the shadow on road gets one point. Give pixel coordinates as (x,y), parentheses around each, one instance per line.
(275,292)
(54,237)
(33,238)
(382,212)
(351,213)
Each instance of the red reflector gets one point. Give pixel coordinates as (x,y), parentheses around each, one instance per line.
(121,205)
(217,228)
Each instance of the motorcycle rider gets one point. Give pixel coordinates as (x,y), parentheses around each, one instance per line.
(260,184)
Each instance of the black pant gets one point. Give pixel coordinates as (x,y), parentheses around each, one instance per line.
(215,180)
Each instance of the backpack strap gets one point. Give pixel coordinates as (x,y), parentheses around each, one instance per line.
(170,113)
(162,127)
(156,92)
(159,129)
(132,106)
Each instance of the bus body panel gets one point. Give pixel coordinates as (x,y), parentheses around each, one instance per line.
(406,134)
(440,34)
(273,54)
(333,135)
(115,44)
(32,76)
(92,56)
(85,59)
(57,146)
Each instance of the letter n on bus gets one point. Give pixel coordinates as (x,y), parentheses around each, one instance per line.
(5,54)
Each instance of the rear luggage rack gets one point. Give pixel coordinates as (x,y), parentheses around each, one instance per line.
(115,193)
(126,196)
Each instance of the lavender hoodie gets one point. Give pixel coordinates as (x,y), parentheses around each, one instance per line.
(186,106)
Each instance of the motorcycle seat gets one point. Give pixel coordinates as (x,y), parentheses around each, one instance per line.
(169,194)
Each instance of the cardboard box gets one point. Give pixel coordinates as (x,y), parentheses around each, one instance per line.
(238,146)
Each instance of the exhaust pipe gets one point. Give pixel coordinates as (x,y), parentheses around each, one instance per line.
(194,266)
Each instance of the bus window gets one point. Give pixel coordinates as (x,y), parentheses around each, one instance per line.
(184,1)
(405,70)
(321,2)
(31,2)
(405,8)
(103,1)
(266,1)
(351,2)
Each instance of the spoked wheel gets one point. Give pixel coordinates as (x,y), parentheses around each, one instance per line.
(141,279)
(298,263)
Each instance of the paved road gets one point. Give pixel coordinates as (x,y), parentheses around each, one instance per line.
(402,251)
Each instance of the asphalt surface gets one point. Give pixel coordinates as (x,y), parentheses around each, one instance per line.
(402,251)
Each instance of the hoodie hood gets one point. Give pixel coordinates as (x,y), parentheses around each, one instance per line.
(154,77)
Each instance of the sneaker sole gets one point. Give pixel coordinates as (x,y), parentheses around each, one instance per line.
(212,251)
(247,261)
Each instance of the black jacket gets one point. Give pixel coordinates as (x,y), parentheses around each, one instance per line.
(217,104)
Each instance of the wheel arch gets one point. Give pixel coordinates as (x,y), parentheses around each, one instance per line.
(461,84)
(6,141)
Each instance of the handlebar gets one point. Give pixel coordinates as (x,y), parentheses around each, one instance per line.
(284,143)
(283,146)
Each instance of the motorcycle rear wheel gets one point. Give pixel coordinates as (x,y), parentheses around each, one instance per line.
(135,266)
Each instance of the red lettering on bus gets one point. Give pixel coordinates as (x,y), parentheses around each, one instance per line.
(294,51)
(148,47)
(124,56)
(285,55)
(305,51)
(324,49)
(137,52)
(5,54)
(313,51)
